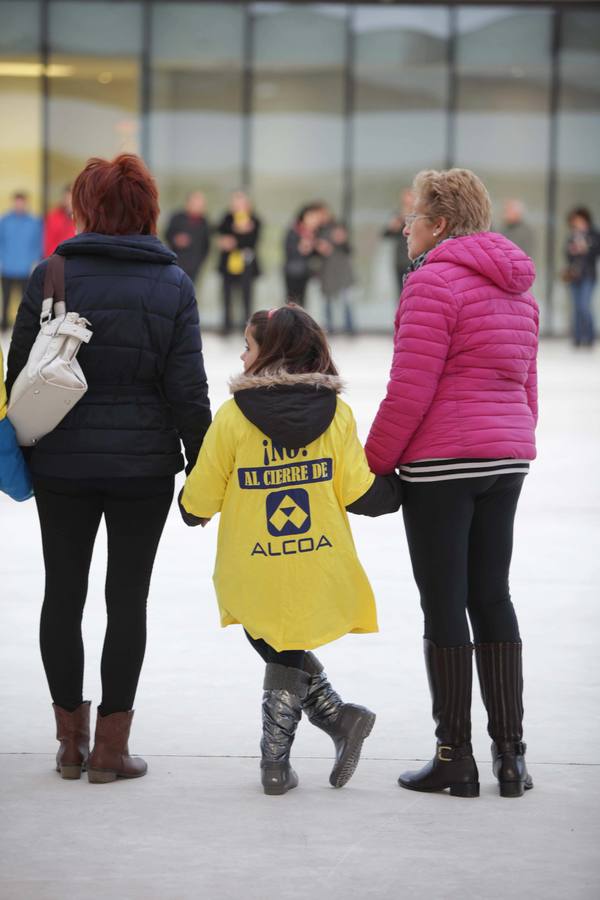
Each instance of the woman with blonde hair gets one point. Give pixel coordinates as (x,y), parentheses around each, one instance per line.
(459,421)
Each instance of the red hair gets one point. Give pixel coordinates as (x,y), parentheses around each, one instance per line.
(116,197)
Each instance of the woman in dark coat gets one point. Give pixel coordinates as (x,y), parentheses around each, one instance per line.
(239,232)
(116,453)
(302,259)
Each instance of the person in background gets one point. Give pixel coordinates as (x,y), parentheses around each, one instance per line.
(516,228)
(302,260)
(20,249)
(14,475)
(335,272)
(582,250)
(394,230)
(115,455)
(188,235)
(59,225)
(239,233)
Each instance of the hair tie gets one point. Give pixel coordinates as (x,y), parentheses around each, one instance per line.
(272,312)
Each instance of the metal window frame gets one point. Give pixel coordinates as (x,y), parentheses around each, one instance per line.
(557,7)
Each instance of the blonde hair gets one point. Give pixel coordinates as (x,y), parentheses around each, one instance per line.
(457,195)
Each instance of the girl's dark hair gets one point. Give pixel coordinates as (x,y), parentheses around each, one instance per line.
(582,212)
(291,340)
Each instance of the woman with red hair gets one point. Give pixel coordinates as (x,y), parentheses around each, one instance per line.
(116,453)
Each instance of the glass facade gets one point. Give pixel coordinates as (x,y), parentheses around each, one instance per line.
(301,101)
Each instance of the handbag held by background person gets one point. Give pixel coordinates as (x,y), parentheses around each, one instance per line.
(52,382)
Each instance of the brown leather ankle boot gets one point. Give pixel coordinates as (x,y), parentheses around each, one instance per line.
(110,757)
(73,732)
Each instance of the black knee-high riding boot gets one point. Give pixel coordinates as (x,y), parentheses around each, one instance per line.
(500,669)
(284,693)
(347,724)
(450,675)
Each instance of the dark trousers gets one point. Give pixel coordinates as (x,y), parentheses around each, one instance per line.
(582,293)
(243,284)
(294,659)
(135,511)
(295,289)
(460,539)
(7,286)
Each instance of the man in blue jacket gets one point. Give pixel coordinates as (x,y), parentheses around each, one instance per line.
(20,248)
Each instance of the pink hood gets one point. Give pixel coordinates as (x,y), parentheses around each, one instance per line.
(463,380)
(491,255)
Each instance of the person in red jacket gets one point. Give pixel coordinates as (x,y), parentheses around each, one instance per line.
(459,420)
(59,225)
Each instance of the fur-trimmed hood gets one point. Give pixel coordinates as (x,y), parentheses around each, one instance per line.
(291,409)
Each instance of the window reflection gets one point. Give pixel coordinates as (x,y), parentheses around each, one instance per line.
(578,133)
(502,125)
(399,127)
(196,115)
(297,144)
(20,102)
(94,109)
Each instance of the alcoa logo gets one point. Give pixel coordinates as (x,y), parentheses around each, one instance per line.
(288,512)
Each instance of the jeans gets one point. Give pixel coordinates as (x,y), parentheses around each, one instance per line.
(343,299)
(582,293)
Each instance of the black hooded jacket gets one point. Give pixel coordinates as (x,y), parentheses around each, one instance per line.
(147,388)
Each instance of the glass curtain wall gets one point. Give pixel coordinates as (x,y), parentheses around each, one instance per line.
(502,124)
(399,125)
(297,122)
(21,139)
(578,151)
(196,127)
(299,101)
(94,106)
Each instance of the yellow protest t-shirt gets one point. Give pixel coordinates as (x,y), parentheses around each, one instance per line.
(286,566)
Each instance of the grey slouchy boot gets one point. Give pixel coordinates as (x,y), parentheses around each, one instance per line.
(347,724)
(284,693)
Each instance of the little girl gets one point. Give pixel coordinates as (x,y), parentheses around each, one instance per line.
(282,463)
(14,476)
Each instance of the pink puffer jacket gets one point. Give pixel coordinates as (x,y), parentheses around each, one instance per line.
(463,382)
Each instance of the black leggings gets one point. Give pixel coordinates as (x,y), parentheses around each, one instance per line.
(460,538)
(296,289)
(135,511)
(293,659)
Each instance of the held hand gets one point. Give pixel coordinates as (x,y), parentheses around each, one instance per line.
(306,246)
(324,248)
(182,240)
(227,242)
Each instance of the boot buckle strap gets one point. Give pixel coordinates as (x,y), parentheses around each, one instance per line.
(440,755)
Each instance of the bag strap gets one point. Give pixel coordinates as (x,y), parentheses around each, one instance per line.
(54,289)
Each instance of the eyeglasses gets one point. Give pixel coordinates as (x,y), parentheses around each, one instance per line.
(408,220)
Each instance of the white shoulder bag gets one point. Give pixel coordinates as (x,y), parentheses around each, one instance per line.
(52,382)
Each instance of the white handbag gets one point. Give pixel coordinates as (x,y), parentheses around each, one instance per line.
(52,382)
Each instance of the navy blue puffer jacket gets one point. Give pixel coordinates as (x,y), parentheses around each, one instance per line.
(146,381)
